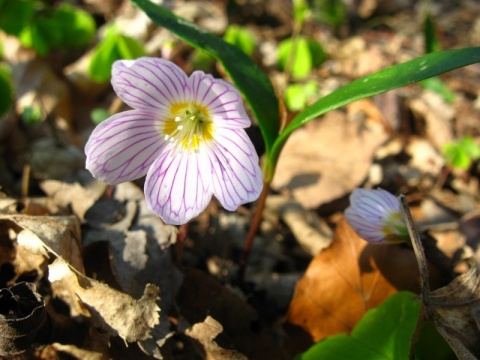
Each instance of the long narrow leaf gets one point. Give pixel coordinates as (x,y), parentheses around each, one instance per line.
(247,76)
(382,81)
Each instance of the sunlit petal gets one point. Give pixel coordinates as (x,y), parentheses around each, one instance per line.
(176,187)
(222,100)
(236,175)
(123,147)
(150,83)
(375,216)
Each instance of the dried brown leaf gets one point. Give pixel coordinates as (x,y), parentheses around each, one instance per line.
(458,308)
(59,235)
(345,280)
(205,332)
(202,295)
(80,194)
(115,312)
(314,173)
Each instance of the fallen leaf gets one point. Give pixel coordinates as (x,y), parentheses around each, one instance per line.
(137,241)
(23,319)
(346,279)
(314,173)
(201,296)
(115,312)
(81,192)
(438,117)
(59,235)
(457,307)
(205,332)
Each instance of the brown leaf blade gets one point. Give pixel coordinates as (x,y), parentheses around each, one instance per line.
(345,280)
(457,306)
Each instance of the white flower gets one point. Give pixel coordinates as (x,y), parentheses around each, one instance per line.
(375,216)
(185,133)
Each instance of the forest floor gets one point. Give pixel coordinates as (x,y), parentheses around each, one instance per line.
(91,249)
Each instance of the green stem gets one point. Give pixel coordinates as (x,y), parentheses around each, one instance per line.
(257,218)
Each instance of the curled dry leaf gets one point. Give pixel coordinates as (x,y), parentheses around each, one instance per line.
(458,308)
(23,319)
(59,235)
(115,312)
(136,239)
(80,194)
(346,279)
(205,332)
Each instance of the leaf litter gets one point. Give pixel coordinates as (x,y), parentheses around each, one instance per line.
(105,266)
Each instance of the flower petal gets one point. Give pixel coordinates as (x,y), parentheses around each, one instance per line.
(123,147)
(221,98)
(236,175)
(149,83)
(369,231)
(177,186)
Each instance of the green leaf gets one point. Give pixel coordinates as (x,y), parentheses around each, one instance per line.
(240,37)
(77,26)
(331,12)
(300,11)
(303,53)
(470,147)
(425,351)
(456,156)
(103,57)
(31,115)
(98,115)
(382,81)
(113,47)
(129,48)
(436,85)
(6,89)
(298,95)
(383,333)
(15,15)
(252,82)
(43,33)
(430,35)
(294,55)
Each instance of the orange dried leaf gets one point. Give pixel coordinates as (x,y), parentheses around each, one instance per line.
(345,280)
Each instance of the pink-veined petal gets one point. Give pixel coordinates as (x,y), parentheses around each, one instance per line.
(176,187)
(236,175)
(123,147)
(149,83)
(221,98)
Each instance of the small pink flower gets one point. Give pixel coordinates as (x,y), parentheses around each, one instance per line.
(185,133)
(375,216)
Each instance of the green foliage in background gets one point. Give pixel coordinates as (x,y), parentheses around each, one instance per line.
(43,27)
(432,44)
(461,153)
(6,88)
(298,96)
(31,115)
(330,12)
(300,55)
(114,46)
(98,115)
(240,37)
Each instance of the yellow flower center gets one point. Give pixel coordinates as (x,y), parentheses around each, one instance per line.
(188,126)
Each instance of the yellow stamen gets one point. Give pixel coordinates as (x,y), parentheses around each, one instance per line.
(189,125)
